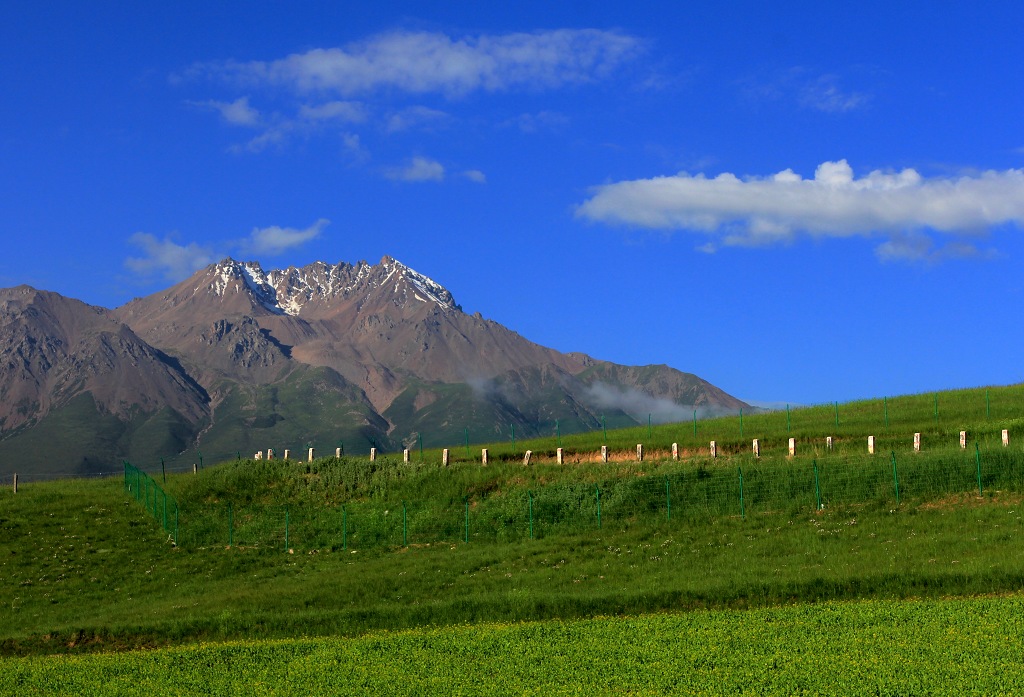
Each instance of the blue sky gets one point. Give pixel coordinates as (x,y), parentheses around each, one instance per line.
(806,202)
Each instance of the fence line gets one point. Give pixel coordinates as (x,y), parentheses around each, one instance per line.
(695,495)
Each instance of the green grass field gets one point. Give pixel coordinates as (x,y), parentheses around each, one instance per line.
(338,548)
(862,648)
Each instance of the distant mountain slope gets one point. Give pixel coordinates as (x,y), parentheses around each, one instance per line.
(236,358)
(61,356)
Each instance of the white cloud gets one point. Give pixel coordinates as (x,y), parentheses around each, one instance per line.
(415,117)
(824,94)
(764,210)
(420,169)
(166,257)
(422,62)
(237,113)
(343,111)
(475,175)
(274,240)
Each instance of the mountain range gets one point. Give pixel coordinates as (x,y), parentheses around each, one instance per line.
(237,359)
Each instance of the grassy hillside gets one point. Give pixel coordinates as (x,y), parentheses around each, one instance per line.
(343,546)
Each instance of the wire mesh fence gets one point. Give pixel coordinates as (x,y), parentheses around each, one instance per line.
(340,504)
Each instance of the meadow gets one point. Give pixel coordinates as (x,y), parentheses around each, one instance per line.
(315,558)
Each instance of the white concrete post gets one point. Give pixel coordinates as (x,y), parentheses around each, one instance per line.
(757,448)
(1006,437)
(871,445)
(195,468)
(405,455)
(270,453)
(828,442)
(792,447)
(444,457)
(527,456)
(714,449)
(337,453)
(483,457)
(373,454)
(639,452)
(963,439)
(917,442)
(258,456)
(311,453)
(287,454)
(604,453)
(15,483)
(675,451)
(558,456)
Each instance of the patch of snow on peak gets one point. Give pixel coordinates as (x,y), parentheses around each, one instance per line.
(258,283)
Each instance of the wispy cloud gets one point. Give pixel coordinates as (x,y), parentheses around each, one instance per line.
(236,113)
(419,169)
(806,89)
(475,175)
(361,85)
(166,257)
(835,203)
(415,117)
(275,240)
(540,121)
(337,111)
(642,406)
(422,62)
(825,94)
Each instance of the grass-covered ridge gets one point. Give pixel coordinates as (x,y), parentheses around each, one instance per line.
(84,567)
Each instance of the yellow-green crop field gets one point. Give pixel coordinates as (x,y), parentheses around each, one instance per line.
(956,646)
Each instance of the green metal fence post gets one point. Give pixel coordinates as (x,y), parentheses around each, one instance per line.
(668,500)
(405,526)
(530,494)
(165,508)
(977,460)
(163,470)
(817,486)
(419,437)
(895,477)
(743,505)
(467,518)
(597,490)
(200,459)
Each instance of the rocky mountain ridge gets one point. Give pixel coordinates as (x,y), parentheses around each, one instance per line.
(235,357)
